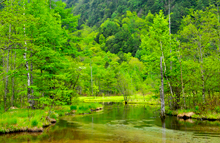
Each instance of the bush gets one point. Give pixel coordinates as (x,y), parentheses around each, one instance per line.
(73,107)
(217,109)
(197,109)
(34,122)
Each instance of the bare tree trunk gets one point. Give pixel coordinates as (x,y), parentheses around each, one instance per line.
(27,68)
(162,114)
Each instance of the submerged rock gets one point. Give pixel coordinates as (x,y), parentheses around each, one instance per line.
(186,115)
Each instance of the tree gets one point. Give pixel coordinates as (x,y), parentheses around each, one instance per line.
(199,34)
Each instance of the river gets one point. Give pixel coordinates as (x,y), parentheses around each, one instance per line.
(118,123)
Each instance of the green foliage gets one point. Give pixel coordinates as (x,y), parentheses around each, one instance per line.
(54,115)
(120,55)
(93,13)
(73,107)
(197,109)
(34,122)
(12,121)
(217,109)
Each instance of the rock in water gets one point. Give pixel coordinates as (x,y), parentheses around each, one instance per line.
(185,115)
(53,121)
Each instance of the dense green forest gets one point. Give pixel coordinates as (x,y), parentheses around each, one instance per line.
(52,52)
(95,12)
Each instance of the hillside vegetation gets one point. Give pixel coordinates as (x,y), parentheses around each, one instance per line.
(51,53)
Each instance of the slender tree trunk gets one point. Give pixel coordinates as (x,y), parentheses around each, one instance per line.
(27,69)
(169,19)
(218,29)
(12,80)
(218,51)
(7,68)
(32,83)
(91,78)
(171,64)
(3,72)
(28,79)
(6,81)
(170,37)
(162,114)
(171,89)
(202,70)
(181,76)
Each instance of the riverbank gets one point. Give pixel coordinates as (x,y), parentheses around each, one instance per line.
(193,114)
(27,120)
(150,99)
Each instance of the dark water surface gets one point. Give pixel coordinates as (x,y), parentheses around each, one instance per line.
(118,123)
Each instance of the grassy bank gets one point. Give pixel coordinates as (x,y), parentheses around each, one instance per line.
(20,120)
(204,115)
(134,99)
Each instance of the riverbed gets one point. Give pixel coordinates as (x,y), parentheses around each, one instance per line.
(118,123)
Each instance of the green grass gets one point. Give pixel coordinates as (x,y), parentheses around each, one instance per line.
(80,108)
(134,99)
(16,119)
(201,115)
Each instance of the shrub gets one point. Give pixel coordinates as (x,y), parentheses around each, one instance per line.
(34,122)
(217,109)
(197,109)
(54,115)
(73,107)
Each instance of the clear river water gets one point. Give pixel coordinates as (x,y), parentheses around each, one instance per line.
(118,123)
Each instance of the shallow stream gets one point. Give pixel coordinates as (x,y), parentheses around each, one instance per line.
(119,123)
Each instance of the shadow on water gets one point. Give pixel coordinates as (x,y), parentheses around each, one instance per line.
(122,123)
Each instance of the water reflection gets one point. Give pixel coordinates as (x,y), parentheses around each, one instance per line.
(163,130)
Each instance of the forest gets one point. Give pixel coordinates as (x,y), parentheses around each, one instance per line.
(54,52)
